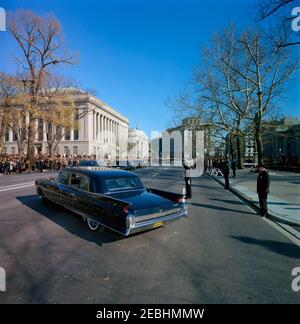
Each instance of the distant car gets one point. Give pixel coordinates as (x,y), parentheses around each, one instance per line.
(91,163)
(112,198)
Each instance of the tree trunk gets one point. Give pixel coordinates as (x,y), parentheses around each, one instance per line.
(231,147)
(30,144)
(1,143)
(2,134)
(258,139)
(240,159)
(21,150)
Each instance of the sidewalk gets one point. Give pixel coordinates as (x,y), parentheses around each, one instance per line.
(283,200)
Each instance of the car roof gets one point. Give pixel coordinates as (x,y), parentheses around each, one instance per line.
(100,171)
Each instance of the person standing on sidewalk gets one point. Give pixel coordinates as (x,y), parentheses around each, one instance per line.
(188,165)
(263,187)
(233,168)
(225,171)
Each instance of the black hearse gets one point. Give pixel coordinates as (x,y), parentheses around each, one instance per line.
(112,198)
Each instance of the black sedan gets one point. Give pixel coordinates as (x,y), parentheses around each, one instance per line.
(112,198)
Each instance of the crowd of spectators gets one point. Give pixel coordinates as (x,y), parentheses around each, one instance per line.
(10,164)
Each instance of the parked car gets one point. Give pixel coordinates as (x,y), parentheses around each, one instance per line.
(112,198)
(92,163)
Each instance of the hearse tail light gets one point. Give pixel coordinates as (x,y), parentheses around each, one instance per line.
(181,200)
(130,220)
(126,209)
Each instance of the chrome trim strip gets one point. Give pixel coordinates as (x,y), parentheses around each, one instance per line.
(142,218)
(159,219)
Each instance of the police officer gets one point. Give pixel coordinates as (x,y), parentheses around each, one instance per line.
(263,187)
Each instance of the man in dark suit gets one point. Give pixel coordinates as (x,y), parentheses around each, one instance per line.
(263,187)
(233,167)
(225,171)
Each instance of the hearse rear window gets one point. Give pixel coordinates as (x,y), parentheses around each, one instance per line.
(116,184)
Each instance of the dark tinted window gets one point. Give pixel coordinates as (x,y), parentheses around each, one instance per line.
(80,181)
(84,183)
(75,179)
(122,183)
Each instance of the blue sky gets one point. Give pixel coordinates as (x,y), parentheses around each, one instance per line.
(137,53)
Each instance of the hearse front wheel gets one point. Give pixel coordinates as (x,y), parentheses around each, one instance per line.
(42,196)
(92,224)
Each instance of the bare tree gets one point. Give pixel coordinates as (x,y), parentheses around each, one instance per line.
(58,112)
(39,41)
(268,70)
(283,10)
(227,98)
(267,8)
(13,103)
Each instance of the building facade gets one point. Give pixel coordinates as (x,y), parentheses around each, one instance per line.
(138,145)
(282,143)
(192,140)
(102,131)
(247,147)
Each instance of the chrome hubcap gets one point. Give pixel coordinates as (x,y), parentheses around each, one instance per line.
(92,224)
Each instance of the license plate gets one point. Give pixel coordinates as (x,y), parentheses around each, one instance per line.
(158,224)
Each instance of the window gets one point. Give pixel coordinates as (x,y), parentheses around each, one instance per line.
(84,183)
(76,135)
(63,178)
(40,130)
(67,135)
(13,150)
(116,184)
(76,131)
(66,150)
(7,136)
(75,179)
(80,181)
(75,150)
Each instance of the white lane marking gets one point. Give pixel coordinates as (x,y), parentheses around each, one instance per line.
(16,184)
(18,187)
(155,174)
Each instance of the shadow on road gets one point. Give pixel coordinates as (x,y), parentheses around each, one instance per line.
(69,221)
(231,202)
(221,208)
(287,249)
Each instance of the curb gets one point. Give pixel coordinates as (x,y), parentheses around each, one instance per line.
(271,215)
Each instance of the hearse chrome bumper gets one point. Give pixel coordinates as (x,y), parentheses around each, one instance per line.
(156,222)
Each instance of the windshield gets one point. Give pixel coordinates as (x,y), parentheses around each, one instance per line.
(122,183)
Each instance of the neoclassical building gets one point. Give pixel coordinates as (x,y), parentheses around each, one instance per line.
(138,145)
(102,131)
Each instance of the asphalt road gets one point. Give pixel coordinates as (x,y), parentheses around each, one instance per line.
(221,253)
